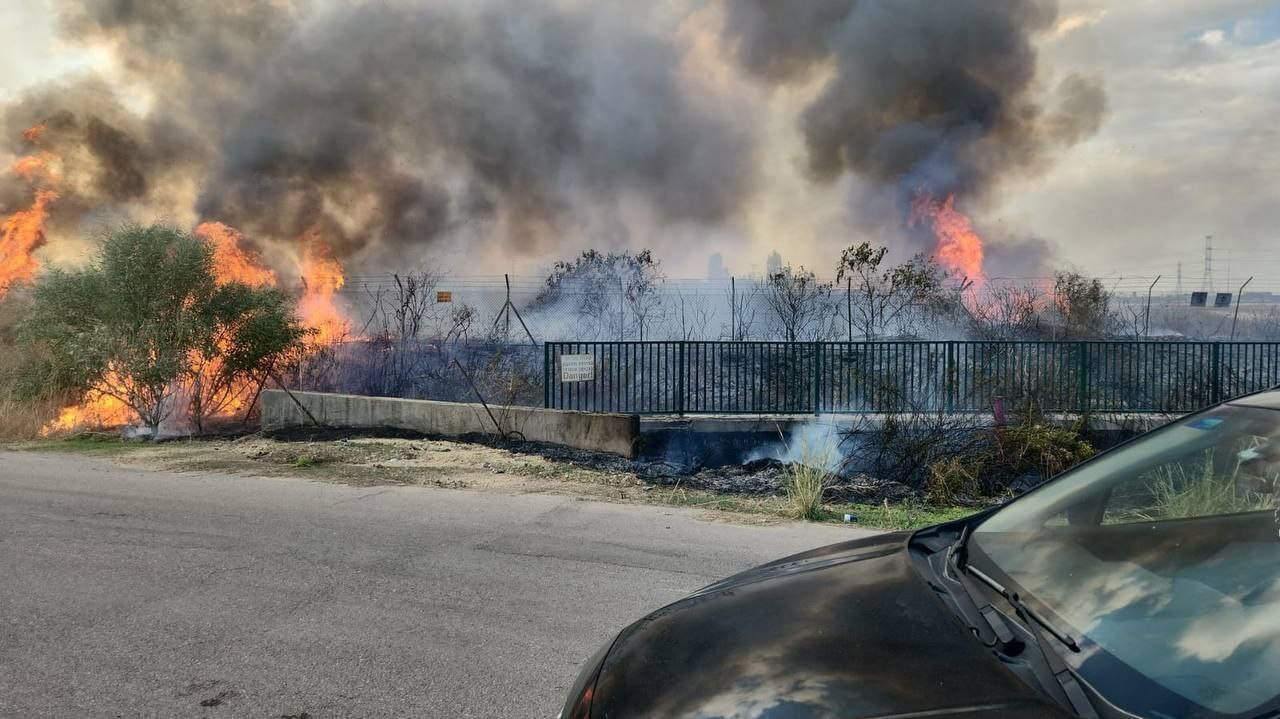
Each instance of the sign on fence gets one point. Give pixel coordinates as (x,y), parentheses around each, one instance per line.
(443,296)
(577,368)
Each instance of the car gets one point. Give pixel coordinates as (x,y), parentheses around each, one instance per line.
(1142,583)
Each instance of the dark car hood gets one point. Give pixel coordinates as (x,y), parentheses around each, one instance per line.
(850,630)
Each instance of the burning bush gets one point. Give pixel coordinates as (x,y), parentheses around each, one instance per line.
(149,326)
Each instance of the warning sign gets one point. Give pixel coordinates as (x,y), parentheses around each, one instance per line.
(577,368)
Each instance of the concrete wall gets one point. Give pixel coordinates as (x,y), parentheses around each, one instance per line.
(616,433)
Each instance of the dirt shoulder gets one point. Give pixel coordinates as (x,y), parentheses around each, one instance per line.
(378,461)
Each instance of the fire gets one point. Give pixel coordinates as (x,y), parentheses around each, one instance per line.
(38,166)
(321,279)
(231,261)
(99,409)
(23,231)
(959,248)
(22,234)
(32,134)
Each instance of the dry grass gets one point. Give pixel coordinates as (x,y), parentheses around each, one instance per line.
(1177,493)
(808,480)
(20,417)
(806,487)
(20,420)
(988,468)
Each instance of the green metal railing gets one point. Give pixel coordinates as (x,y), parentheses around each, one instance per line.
(860,377)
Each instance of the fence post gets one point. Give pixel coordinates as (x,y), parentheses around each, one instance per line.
(817,377)
(546,375)
(680,378)
(948,377)
(733,309)
(848,297)
(1215,372)
(1082,390)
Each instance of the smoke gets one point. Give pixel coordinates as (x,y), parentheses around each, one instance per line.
(529,127)
(942,98)
(393,123)
(920,92)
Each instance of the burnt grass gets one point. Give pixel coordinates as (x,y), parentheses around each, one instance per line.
(758,477)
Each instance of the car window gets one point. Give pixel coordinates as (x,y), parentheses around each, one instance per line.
(1236,475)
(1160,557)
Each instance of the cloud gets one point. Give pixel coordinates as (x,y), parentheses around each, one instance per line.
(1187,149)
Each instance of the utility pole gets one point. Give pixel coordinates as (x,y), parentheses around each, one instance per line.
(1179,290)
(1206,279)
(1228,268)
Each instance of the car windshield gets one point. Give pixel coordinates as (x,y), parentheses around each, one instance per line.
(1161,557)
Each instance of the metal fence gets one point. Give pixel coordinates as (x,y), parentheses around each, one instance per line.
(691,377)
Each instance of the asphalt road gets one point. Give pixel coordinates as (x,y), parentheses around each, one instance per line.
(134,593)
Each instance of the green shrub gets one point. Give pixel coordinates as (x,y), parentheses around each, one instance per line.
(1045,449)
(129,324)
(951,480)
(1030,449)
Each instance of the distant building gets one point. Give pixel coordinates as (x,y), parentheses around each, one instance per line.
(773,265)
(715,267)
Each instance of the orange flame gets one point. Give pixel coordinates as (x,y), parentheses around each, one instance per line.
(959,248)
(23,231)
(321,278)
(99,410)
(231,261)
(22,235)
(32,134)
(38,166)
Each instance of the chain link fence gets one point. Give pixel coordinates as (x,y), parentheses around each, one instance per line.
(523,309)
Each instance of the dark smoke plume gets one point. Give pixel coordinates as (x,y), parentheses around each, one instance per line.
(391,123)
(923,94)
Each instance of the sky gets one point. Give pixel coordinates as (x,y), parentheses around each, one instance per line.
(1189,147)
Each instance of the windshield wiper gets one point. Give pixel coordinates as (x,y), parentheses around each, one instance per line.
(1023,610)
(1053,665)
(960,556)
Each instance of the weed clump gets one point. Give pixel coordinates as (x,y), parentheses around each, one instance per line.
(1019,455)
(807,481)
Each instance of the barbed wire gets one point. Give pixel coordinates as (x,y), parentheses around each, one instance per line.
(711,309)
(1118,283)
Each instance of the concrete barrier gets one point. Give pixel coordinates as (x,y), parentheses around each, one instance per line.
(616,433)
